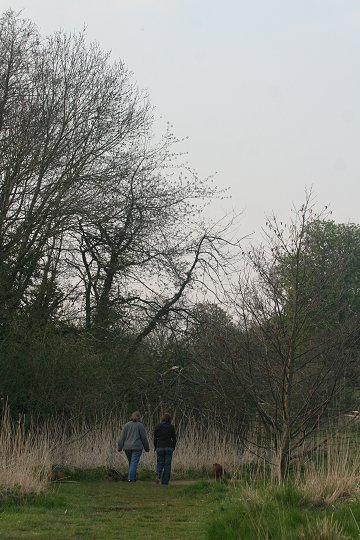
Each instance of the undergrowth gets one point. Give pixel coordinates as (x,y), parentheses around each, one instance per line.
(265,512)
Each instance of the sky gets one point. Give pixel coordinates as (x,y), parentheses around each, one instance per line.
(268,91)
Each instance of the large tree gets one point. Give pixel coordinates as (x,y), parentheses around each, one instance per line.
(101,224)
(297,343)
(65,113)
(94,213)
(284,356)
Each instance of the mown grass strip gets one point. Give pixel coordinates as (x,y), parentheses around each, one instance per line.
(102,510)
(92,508)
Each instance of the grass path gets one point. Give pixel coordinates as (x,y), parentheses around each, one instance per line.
(105,510)
(95,509)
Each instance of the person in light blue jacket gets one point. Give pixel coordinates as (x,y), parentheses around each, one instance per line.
(133,440)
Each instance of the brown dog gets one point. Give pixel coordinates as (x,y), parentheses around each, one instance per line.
(218,471)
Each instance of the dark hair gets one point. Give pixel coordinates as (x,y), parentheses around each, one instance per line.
(165,417)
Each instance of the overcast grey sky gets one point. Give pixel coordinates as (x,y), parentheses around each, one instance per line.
(268,91)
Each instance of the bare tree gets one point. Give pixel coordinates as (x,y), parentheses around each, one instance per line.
(291,360)
(65,113)
(283,357)
(93,211)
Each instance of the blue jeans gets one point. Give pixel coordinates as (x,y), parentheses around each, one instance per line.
(133,457)
(163,465)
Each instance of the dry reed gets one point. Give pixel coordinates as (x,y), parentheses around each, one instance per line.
(324,528)
(333,473)
(82,445)
(24,456)
(25,453)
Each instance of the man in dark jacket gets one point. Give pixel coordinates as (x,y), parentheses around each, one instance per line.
(164,444)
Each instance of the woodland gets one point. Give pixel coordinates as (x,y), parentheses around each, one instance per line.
(118,291)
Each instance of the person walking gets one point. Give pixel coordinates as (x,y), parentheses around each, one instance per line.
(164,444)
(133,440)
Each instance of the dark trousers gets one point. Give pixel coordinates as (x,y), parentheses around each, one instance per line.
(163,465)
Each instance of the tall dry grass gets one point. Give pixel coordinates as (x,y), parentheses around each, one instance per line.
(24,456)
(83,445)
(333,472)
(27,452)
(324,528)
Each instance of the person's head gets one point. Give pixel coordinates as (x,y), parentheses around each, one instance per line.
(165,417)
(135,416)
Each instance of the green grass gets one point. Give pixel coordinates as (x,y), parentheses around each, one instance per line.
(92,508)
(269,512)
